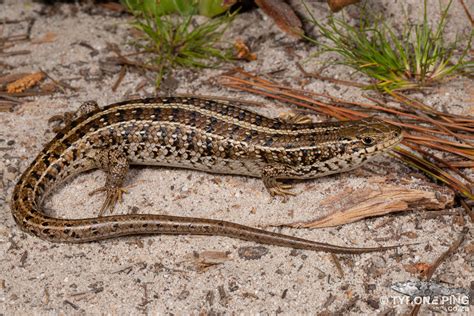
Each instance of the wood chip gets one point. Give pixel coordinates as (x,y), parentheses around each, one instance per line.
(25,82)
(46,38)
(337,5)
(283,15)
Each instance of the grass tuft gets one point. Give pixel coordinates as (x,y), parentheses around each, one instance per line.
(178,41)
(416,57)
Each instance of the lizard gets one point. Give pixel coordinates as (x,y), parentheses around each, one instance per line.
(195,133)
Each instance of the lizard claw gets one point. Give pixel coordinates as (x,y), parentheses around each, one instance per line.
(280,189)
(113,195)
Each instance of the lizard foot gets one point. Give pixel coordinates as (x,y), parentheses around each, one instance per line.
(276,188)
(113,195)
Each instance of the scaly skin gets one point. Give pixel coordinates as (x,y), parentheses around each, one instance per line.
(194,133)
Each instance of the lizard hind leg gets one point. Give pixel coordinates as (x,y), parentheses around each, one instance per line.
(270,176)
(65,119)
(115,165)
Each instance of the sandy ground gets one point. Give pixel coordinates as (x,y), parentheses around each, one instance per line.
(168,274)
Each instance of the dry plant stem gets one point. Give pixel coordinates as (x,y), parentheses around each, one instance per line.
(122,73)
(434,171)
(59,84)
(469,16)
(441,161)
(337,263)
(431,270)
(469,211)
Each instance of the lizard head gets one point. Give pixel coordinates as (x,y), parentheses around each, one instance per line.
(368,137)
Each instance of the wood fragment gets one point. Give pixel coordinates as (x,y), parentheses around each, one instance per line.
(283,15)
(375,202)
(49,37)
(26,82)
(337,5)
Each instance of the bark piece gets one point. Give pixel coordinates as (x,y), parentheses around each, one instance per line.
(369,202)
(337,5)
(283,15)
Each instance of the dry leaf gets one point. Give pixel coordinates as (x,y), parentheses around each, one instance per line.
(113,6)
(25,82)
(337,5)
(47,38)
(283,15)
(370,202)
(417,268)
(243,51)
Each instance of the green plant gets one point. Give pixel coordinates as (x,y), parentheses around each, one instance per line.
(207,8)
(177,41)
(416,57)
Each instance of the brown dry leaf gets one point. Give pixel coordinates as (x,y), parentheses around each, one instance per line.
(337,5)
(113,6)
(370,202)
(417,268)
(283,15)
(46,38)
(25,82)
(243,51)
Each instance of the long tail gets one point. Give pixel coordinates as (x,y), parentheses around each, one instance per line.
(93,229)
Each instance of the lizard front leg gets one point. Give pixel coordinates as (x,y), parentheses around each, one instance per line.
(66,118)
(115,165)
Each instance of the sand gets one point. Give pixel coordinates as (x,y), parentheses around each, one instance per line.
(174,274)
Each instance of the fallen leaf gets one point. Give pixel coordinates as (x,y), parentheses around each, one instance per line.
(243,51)
(417,268)
(46,38)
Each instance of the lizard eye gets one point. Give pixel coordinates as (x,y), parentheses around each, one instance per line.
(367,140)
